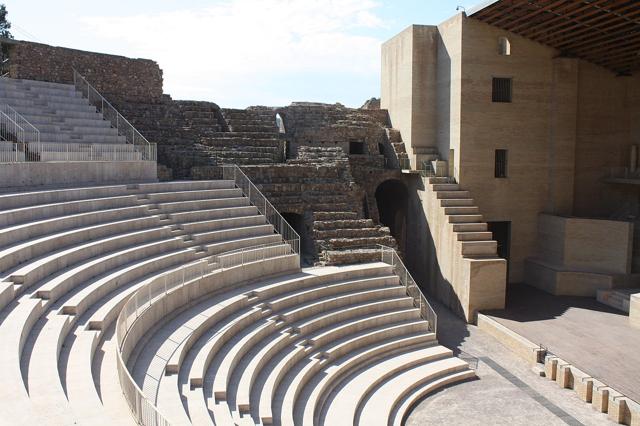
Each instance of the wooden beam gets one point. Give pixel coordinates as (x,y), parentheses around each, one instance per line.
(547,28)
(631,49)
(620,33)
(552,8)
(602,15)
(504,13)
(604,21)
(505,23)
(483,12)
(622,39)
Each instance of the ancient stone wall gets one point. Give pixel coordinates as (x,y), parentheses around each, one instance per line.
(116,77)
(324,125)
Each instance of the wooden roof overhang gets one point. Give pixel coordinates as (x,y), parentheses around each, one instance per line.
(604,32)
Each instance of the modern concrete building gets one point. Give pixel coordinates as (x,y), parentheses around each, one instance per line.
(534,107)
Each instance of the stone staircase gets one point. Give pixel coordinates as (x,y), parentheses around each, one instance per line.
(60,113)
(401,157)
(264,342)
(471,231)
(310,347)
(319,180)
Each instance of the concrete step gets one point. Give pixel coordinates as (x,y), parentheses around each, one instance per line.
(447,195)
(460,202)
(474,236)
(445,187)
(461,210)
(470,227)
(479,248)
(464,218)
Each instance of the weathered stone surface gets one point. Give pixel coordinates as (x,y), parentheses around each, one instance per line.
(116,77)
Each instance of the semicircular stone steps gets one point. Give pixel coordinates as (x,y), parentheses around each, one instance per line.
(277,351)
(70,259)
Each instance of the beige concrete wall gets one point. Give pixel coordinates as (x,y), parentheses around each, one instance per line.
(397,80)
(435,259)
(603,139)
(408,85)
(17,175)
(581,244)
(568,122)
(449,88)
(522,127)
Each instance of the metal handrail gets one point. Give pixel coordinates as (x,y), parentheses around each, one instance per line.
(390,256)
(108,111)
(30,134)
(11,152)
(281,226)
(143,410)
(17,142)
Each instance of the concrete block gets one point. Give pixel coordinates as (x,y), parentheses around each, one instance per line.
(550,367)
(600,396)
(563,375)
(634,310)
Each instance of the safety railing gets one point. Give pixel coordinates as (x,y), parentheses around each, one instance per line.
(404,163)
(11,152)
(28,133)
(389,256)
(107,110)
(281,226)
(143,410)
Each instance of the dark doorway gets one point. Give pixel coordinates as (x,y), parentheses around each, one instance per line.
(297,222)
(356,147)
(365,207)
(502,234)
(392,200)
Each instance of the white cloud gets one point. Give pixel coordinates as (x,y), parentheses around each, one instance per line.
(238,44)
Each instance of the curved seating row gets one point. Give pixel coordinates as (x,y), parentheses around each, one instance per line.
(69,261)
(332,345)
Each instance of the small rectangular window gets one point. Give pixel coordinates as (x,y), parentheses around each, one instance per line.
(356,147)
(501,89)
(501,163)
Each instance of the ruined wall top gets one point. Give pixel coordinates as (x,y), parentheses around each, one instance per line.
(116,77)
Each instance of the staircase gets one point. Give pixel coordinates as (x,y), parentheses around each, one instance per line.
(254,342)
(59,112)
(319,180)
(471,231)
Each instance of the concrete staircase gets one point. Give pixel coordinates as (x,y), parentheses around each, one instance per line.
(70,259)
(471,231)
(59,112)
(270,350)
(276,351)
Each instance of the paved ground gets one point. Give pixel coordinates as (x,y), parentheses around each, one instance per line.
(593,337)
(507,392)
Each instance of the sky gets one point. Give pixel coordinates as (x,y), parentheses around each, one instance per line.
(239,52)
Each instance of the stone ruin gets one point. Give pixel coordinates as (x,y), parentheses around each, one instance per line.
(316,168)
(319,164)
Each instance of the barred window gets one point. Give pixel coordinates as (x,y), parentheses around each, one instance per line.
(501,163)
(501,89)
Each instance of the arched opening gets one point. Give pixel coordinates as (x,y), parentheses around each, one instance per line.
(280,123)
(392,199)
(297,222)
(504,46)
